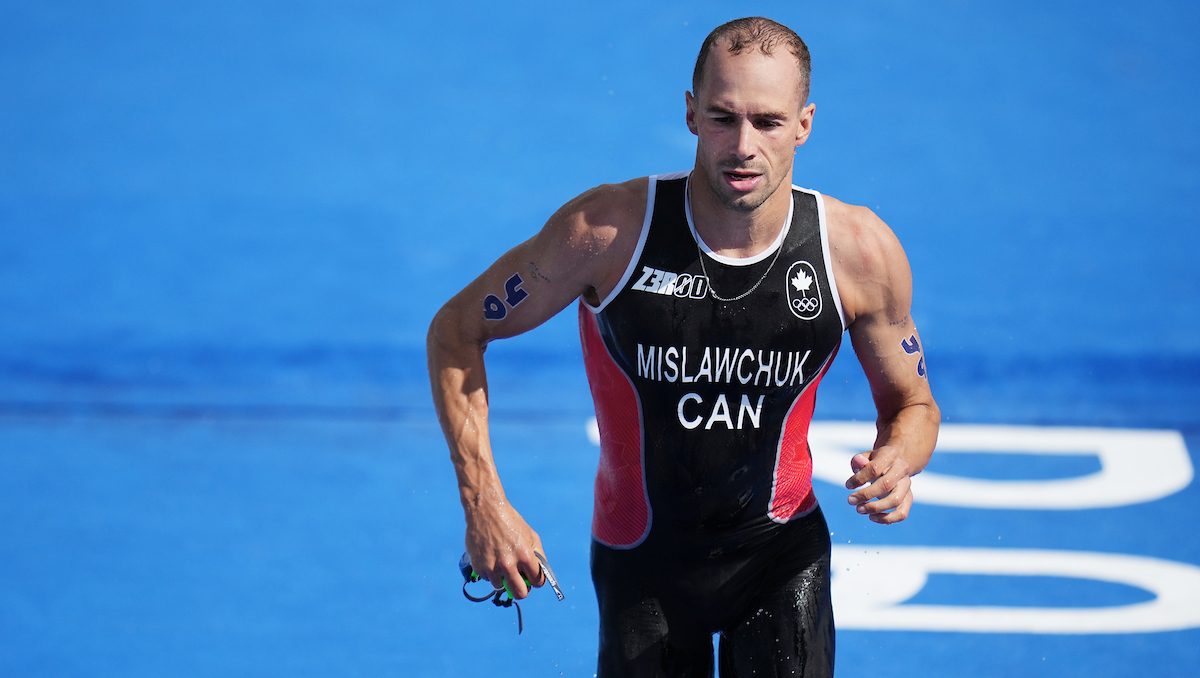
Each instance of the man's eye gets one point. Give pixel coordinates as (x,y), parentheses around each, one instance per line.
(723,120)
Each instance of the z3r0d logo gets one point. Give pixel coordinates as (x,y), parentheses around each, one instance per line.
(803,291)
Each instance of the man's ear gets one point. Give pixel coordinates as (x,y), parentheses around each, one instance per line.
(689,101)
(806,123)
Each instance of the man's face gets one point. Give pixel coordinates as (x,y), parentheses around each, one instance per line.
(749,118)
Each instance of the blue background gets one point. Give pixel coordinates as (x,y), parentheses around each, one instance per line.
(224,228)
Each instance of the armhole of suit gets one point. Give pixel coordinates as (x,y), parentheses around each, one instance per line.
(833,288)
(652,184)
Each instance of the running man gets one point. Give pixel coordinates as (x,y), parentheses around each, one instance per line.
(711,303)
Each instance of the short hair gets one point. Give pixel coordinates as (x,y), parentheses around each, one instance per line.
(756,31)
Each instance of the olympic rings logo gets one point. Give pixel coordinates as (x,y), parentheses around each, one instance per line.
(806,305)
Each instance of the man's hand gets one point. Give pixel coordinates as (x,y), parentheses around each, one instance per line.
(501,546)
(885,482)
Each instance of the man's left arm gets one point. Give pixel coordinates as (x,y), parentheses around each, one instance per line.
(887,344)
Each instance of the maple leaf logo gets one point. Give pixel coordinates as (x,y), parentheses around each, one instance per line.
(802,281)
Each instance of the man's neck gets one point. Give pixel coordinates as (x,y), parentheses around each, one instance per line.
(736,233)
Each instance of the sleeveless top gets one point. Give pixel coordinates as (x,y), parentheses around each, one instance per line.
(704,377)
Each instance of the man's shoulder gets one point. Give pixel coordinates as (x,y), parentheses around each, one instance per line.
(597,231)
(847,216)
(604,213)
(861,240)
(622,201)
(869,263)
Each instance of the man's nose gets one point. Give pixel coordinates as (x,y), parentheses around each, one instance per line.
(745,141)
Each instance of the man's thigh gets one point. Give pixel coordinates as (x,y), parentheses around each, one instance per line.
(643,638)
(646,629)
(788,631)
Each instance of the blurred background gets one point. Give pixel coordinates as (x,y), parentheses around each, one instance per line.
(224,228)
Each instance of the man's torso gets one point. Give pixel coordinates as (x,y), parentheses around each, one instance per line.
(704,372)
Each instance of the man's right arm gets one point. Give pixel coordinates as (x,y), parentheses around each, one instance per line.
(582,250)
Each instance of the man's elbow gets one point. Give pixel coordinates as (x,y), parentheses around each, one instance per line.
(448,333)
(934,413)
(437,329)
(928,418)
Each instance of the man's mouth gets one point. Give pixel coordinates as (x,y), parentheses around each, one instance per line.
(741,180)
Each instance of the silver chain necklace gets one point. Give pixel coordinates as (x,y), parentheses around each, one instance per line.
(711,288)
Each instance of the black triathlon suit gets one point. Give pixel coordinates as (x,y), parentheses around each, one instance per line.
(704,372)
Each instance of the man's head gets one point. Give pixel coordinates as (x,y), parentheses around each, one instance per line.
(748,109)
(755,33)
